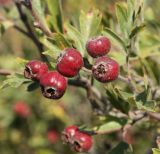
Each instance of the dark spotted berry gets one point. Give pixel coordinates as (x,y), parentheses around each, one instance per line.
(105,69)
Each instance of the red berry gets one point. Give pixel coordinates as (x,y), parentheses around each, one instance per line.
(99,46)
(52,136)
(35,69)
(22,109)
(70,62)
(105,69)
(68,134)
(82,142)
(53,85)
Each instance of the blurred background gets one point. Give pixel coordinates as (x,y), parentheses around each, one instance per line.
(32,124)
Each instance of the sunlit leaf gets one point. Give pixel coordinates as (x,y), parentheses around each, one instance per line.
(89,24)
(54,7)
(121,13)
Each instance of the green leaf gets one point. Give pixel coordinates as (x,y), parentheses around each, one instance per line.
(136,30)
(119,57)
(130,13)
(21,61)
(33,86)
(156,151)
(130,10)
(128,97)
(54,7)
(110,33)
(149,105)
(89,24)
(38,12)
(110,126)
(121,148)
(51,54)
(14,81)
(60,41)
(117,100)
(76,36)
(49,45)
(143,101)
(121,13)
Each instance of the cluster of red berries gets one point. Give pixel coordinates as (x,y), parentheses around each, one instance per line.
(104,68)
(78,140)
(53,83)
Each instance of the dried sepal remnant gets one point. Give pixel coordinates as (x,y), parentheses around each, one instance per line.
(34,69)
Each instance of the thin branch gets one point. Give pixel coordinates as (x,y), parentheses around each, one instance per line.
(5,72)
(138,118)
(29,32)
(21,30)
(38,23)
(154,115)
(98,102)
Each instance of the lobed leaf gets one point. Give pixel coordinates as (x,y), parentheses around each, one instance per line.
(121,13)
(89,24)
(108,31)
(14,81)
(76,36)
(109,126)
(38,13)
(54,7)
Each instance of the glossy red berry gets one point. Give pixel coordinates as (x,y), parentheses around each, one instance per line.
(105,69)
(35,69)
(68,134)
(69,62)
(99,46)
(82,142)
(53,85)
(52,136)
(22,109)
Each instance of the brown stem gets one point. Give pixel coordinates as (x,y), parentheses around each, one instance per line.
(97,101)
(154,115)
(138,118)
(38,23)
(5,72)
(29,32)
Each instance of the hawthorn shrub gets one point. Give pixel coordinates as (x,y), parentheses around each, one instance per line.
(79,77)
